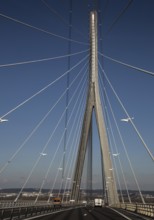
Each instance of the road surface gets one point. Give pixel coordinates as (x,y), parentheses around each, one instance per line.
(90,214)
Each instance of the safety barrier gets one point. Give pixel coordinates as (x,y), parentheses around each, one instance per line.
(23,212)
(10,204)
(143,209)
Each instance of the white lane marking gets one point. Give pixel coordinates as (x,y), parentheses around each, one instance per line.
(51,213)
(120,214)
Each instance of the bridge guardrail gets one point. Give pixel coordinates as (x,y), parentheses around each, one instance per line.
(20,212)
(143,209)
(23,211)
(10,204)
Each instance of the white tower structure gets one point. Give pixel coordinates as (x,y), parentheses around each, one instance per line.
(94,104)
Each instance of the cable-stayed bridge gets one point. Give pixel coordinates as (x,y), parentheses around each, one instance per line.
(74,126)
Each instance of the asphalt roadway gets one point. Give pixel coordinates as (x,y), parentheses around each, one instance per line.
(90,213)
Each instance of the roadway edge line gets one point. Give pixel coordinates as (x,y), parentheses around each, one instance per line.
(39,216)
(120,213)
(138,215)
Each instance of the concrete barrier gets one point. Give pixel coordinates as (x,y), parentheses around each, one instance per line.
(143,209)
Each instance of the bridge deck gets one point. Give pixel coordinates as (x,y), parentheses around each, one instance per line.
(89,213)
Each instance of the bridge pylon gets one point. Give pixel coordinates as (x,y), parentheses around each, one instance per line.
(94,104)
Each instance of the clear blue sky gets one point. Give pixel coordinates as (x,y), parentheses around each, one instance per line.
(130,40)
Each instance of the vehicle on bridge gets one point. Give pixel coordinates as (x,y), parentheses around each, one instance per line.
(57,202)
(84,202)
(98,202)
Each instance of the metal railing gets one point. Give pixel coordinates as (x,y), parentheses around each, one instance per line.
(23,210)
(143,209)
(10,204)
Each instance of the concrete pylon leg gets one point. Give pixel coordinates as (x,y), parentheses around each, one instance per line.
(94,103)
(82,146)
